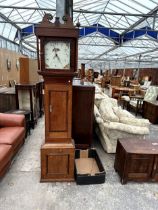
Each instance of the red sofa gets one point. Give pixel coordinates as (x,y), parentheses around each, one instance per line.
(12,135)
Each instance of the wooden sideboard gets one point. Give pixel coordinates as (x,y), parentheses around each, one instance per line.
(29,97)
(7,99)
(150,111)
(82,113)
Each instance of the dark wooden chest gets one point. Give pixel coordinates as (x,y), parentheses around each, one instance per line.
(136,160)
(150,111)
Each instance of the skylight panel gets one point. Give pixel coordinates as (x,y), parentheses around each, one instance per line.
(12,33)
(6,30)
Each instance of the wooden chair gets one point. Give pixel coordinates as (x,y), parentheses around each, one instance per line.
(116,80)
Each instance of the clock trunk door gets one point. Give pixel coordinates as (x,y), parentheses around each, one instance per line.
(58,112)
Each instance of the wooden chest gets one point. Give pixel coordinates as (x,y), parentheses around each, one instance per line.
(137,160)
(150,111)
(57,162)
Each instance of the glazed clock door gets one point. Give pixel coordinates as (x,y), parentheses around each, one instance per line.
(58,112)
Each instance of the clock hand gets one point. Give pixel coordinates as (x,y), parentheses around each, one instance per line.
(56,56)
(58,59)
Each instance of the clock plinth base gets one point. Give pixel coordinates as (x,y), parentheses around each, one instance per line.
(57,162)
(57,140)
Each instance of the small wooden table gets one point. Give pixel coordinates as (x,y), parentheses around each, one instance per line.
(137,160)
(121,90)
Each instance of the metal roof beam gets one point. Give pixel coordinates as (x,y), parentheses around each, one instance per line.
(29,8)
(110,45)
(150,14)
(111,60)
(7,20)
(85,11)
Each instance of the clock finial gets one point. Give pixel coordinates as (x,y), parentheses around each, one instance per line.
(47,17)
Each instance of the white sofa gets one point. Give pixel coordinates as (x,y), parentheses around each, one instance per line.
(112,122)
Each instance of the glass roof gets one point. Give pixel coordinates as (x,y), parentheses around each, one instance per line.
(112,32)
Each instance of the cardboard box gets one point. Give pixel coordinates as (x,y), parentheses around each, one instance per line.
(88,167)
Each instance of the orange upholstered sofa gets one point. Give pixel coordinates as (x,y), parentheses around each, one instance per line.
(12,135)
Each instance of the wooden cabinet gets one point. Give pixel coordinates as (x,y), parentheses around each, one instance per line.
(7,99)
(58,109)
(136,160)
(150,111)
(116,80)
(82,113)
(57,162)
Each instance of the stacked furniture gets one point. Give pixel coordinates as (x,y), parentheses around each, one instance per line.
(12,135)
(112,122)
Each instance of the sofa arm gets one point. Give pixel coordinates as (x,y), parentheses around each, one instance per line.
(12,120)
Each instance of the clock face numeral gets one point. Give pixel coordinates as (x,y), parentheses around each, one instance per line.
(57,55)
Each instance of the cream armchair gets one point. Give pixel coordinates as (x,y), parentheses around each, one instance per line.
(136,102)
(112,122)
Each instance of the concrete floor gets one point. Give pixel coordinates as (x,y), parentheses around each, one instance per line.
(21,189)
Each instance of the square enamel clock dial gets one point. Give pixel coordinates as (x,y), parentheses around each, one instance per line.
(57,55)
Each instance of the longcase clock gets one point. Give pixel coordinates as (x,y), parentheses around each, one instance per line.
(57,62)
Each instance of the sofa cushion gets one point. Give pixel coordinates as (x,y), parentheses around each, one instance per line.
(114,102)
(106,111)
(97,89)
(11,120)
(12,135)
(96,111)
(5,155)
(122,113)
(97,115)
(109,127)
(135,121)
(98,98)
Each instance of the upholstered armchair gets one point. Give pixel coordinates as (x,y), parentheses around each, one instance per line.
(146,85)
(136,102)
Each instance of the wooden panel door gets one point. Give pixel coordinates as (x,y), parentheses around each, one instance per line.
(24,70)
(57,162)
(58,108)
(140,166)
(58,111)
